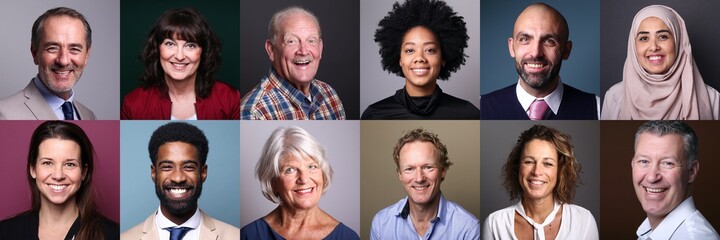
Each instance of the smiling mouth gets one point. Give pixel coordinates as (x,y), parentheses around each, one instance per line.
(536,182)
(420,71)
(179,66)
(305,190)
(656,58)
(177,192)
(655,190)
(421,188)
(57,188)
(301,62)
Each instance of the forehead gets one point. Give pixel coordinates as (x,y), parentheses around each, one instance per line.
(297,23)
(295,158)
(63,25)
(671,143)
(417,151)
(538,21)
(179,151)
(539,147)
(419,34)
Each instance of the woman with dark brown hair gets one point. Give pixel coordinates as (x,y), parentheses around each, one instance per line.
(181,56)
(59,172)
(541,172)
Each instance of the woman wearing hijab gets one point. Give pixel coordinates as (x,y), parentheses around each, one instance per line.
(660,78)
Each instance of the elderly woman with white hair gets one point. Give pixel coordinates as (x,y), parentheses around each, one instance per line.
(294,173)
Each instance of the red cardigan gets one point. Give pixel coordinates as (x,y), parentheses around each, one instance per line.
(151,104)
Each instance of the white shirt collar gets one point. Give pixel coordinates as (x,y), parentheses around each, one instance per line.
(162,222)
(669,224)
(553,99)
(53,100)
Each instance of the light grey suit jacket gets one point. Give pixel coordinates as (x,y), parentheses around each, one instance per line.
(210,228)
(29,104)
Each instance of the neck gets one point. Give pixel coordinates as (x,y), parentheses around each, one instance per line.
(419,91)
(181,88)
(178,219)
(424,212)
(58,213)
(538,209)
(543,91)
(291,218)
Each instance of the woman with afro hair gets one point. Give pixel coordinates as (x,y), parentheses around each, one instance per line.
(422,41)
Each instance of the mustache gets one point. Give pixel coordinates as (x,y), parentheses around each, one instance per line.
(535,60)
(178,185)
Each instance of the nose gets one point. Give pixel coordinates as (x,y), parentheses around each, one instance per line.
(301,177)
(536,50)
(653,174)
(535,169)
(419,176)
(178,176)
(58,173)
(654,46)
(419,57)
(303,48)
(179,54)
(62,59)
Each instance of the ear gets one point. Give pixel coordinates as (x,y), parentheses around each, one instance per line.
(84,172)
(269,50)
(320,49)
(510,47)
(152,172)
(203,173)
(87,56)
(694,169)
(442,174)
(568,49)
(32,172)
(33,52)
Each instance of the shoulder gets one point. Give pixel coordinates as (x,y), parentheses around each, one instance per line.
(499,95)
(255,230)
(575,91)
(324,87)
(134,232)
(19,227)
(388,213)
(459,213)
(501,216)
(458,102)
(615,92)
(224,88)
(575,210)
(140,95)
(223,229)
(343,232)
(111,229)
(388,103)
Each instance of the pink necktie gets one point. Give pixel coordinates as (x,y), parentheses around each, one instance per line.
(538,109)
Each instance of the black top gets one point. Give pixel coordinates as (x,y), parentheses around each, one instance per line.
(25,226)
(503,104)
(439,105)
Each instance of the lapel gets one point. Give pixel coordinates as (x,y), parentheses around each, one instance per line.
(207,228)
(149,230)
(36,103)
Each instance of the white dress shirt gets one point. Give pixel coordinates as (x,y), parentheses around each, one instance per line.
(577,223)
(682,223)
(162,222)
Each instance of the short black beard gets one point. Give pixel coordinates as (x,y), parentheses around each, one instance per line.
(175,207)
(545,79)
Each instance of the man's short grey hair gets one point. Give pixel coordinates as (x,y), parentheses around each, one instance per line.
(662,128)
(278,17)
(289,143)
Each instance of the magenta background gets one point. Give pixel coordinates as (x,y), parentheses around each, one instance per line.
(14,143)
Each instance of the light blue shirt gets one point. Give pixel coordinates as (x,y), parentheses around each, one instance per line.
(452,222)
(53,100)
(684,222)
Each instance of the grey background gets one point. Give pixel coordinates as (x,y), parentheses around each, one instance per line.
(498,139)
(341,142)
(701,21)
(581,70)
(99,86)
(339,64)
(137,191)
(381,186)
(378,84)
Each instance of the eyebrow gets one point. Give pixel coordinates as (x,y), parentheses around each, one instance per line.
(183,162)
(658,31)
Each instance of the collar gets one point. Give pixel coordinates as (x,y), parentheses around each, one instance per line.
(553,99)
(53,100)
(290,89)
(163,222)
(672,221)
(404,211)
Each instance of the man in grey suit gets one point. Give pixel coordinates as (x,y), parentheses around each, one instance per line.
(60,46)
(178,152)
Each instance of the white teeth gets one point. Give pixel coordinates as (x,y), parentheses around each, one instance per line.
(178,190)
(180,64)
(655,58)
(57,187)
(62,72)
(535,65)
(305,190)
(537,182)
(420,70)
(655,190)
(420,188)
(302,62)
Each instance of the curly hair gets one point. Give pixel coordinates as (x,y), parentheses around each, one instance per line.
(178,132)
(568,166)
(436,15)
(185,24)
(422,135)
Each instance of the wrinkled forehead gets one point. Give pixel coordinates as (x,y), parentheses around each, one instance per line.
(298,22)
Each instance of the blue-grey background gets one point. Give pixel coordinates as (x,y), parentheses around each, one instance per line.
(497,139)
(377,84)
(701,20)
(99,86)
(341,140)
(220,194)
(581,70)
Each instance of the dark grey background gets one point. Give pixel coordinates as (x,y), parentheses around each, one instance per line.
(340,63)
(497,140)
(701,20)
(580,70)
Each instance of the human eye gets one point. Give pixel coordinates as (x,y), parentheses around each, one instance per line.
(550,42)
(290,170)
(548,164)
(166,167)
(313,166)
(52,49)
(523,39)
(643,38)
(70,164)
(168,43)
(46,163)
(409,51)
(408,169)
(668,164)
(664,37)
(291,41)
(528,162)
(641,162)
(431,50)
(189,167)
(191,45)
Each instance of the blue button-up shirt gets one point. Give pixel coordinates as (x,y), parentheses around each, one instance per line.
(452,222)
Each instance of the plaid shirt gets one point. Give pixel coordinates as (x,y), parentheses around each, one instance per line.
(276,99)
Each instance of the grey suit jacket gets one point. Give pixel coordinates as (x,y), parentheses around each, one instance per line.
(210,228)
(29,104)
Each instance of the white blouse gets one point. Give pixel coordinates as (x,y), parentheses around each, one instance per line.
(577,223)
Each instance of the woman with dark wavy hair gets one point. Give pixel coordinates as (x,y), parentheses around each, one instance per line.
(422,41)
(541,172)
(60,168)
(181,56)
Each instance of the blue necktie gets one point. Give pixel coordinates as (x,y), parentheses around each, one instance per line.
(177,233)
(67,109)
